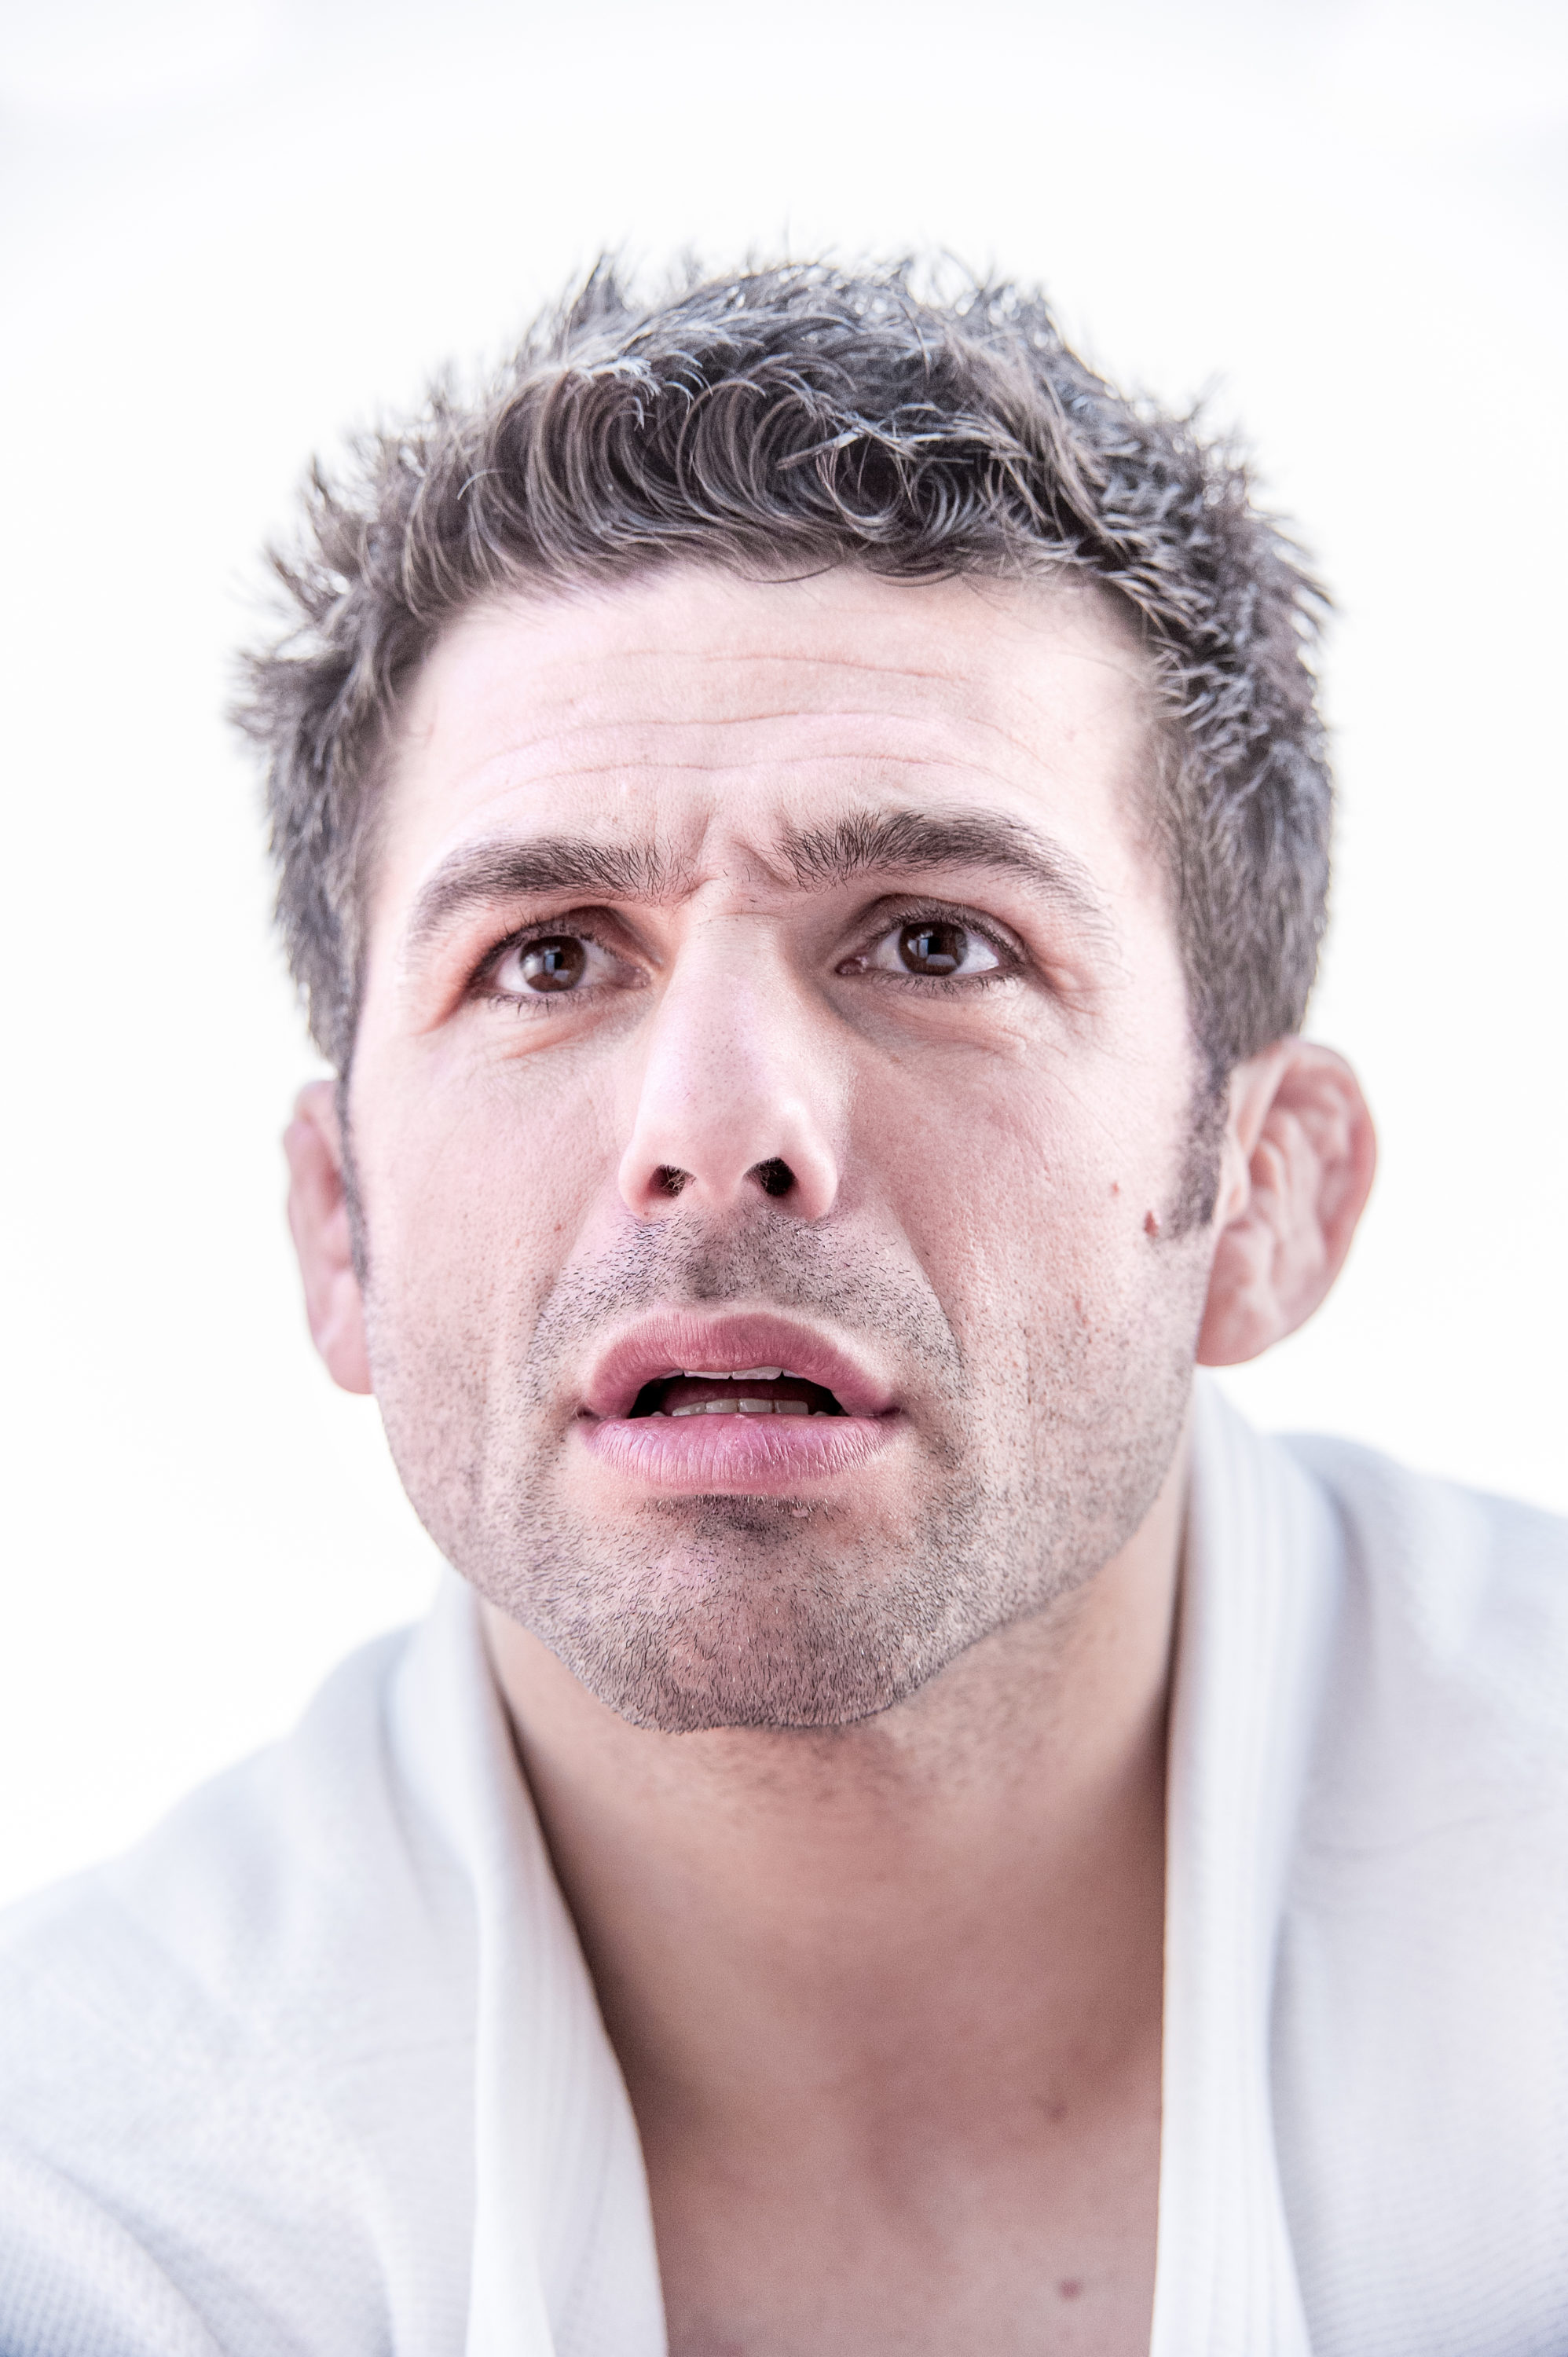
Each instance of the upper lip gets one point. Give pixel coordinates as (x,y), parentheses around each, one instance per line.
(670,1341)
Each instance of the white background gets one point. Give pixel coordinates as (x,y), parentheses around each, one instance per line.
(231,230)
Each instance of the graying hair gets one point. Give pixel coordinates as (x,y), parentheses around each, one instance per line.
(785,420)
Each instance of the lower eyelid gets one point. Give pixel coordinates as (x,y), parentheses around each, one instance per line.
(931,982)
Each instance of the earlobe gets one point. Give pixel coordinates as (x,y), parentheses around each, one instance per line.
(323,1240)
(1299,1157)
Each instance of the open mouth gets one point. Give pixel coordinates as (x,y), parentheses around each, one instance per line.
(744,1403)
(751,1391)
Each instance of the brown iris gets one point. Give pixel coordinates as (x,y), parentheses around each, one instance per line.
(553,965)
(933,948)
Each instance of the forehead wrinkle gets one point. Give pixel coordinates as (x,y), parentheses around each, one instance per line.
(551,753)
(965,699)
(740,645)
(975,709)
(1105,646)
(965,696)
(753,636)
(878,761)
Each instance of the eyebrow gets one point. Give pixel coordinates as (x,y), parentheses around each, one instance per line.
(819,858)
(915,842)
(486,874)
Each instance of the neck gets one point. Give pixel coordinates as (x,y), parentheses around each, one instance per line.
(1001,1835)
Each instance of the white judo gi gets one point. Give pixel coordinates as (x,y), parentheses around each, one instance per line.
(317,2070)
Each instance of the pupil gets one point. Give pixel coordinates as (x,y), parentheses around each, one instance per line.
(553,965)
(934,948)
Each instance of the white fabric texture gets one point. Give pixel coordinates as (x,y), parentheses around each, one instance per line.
(317,2070)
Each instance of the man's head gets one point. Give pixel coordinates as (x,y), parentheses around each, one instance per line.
(785,422)
(802,823)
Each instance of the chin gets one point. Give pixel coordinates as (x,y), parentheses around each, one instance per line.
(750,1620)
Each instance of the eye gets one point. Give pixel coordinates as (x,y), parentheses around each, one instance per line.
(544,965)
(935,949)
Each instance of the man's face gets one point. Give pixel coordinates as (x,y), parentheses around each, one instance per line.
(769,1102)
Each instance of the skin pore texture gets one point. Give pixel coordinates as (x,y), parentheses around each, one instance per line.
(770,1109)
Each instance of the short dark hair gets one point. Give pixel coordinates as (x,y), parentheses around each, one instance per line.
(788,419)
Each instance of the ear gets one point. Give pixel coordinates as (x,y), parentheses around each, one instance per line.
(319,1222)
(1299,1155)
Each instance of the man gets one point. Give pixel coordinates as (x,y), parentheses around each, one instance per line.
(803,824)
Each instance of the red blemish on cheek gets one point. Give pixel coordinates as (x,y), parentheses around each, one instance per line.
(1151,1224)
(1070,2286)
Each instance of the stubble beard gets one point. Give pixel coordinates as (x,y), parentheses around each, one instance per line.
(744,1611)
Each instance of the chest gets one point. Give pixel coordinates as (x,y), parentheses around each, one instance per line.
(1027,2231)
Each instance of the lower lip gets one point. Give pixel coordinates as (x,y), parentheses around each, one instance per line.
(741,1456)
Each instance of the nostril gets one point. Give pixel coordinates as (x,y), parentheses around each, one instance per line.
(669,1180)
(774,1178)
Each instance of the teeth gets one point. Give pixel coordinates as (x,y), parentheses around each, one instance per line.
(758,1374)
(746,1407)
(732,1374)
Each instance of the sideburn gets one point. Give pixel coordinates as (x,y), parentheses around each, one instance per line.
(1197,1183)
(353,1199)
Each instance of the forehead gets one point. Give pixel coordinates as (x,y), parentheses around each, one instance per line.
(713,715)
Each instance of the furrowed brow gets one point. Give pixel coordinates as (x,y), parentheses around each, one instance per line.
(916,842)
(488,873)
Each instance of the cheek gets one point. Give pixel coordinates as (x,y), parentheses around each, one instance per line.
(475,1186)
(1028,1191)
(1024,1197)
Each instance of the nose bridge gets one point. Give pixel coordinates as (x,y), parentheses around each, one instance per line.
(732,1102)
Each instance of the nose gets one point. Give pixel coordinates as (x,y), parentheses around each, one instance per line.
(737,1099)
